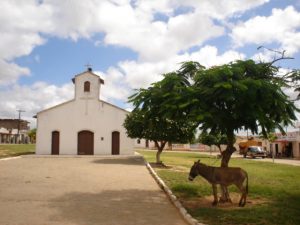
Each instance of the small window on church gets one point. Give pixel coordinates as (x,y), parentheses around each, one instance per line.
(87,86)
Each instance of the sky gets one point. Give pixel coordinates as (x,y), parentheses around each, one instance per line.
(130,44)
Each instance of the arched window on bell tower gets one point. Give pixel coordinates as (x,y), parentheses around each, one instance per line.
(87,86)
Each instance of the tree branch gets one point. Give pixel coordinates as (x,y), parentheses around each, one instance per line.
(281,53)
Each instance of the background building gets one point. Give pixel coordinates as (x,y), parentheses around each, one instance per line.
(14,131)
(286,145)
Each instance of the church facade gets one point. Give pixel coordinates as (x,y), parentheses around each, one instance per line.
(85,125)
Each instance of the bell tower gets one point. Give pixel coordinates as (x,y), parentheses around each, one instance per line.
(87,85)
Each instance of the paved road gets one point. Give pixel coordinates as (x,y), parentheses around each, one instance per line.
(293,162)
(82,191)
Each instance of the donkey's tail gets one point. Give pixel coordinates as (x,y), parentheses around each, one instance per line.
(247,183)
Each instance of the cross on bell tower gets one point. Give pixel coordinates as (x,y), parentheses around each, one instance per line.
(88,67)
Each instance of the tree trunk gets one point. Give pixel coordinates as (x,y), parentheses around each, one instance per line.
(170,146)
(220,149)
(158,153)
(160,148)
(226,155)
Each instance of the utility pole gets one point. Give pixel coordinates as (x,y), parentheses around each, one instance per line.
(19,122)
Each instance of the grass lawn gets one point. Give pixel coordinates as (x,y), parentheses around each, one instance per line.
(8,150)
(274,190)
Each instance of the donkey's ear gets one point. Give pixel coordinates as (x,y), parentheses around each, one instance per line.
(198,161)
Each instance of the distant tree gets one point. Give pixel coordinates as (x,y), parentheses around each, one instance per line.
(194,139)
(271,136)
(32,135)
(213,139)
(148,121)
(206,139)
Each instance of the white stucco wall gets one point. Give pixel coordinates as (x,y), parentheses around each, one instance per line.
(85,112)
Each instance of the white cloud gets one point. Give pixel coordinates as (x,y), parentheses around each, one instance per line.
(281,27)
(208,56)
(222,9)
(157,40)
(128,75)
(25,24)
(160,45)
(139,74)
(20,25)
(33,98)
(10,72)
(114,88)
(264,56)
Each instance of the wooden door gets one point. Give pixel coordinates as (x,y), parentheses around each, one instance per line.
(85,145)
(55,143)
(115,143)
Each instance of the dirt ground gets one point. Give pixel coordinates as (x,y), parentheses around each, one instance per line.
(82,191)
(206,202)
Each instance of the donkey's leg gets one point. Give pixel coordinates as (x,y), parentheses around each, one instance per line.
(214,187)
(243,195)
(245,198)
(225,194)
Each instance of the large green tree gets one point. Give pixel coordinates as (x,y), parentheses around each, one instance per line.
(148,120)
(240,95)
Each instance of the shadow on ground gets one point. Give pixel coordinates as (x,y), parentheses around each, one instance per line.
(123,161)
(114,207)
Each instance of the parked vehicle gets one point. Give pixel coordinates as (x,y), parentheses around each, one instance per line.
(255,151)
(245,144)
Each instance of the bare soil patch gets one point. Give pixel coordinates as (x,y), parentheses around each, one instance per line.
(159,165)
(206,202)
(180,169)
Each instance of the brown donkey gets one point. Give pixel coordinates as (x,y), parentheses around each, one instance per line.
(223,176)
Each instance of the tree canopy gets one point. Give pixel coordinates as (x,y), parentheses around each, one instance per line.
(240,95)
(148,121)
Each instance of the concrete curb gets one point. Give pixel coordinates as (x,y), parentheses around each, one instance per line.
(9,158)
(172,197)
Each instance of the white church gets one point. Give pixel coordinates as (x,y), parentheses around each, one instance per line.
(85,125)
